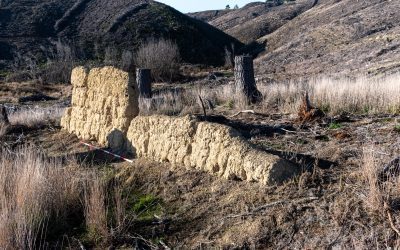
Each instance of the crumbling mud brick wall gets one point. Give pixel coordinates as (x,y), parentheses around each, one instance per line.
(206,146)
(104,102)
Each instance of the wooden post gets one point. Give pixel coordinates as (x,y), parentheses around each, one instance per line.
(143,79)
(3,115)
(244,79)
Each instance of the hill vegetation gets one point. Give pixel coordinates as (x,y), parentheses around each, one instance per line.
(29,30)
(346,37)
(255,19)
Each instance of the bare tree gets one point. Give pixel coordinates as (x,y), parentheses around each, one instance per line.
(161,56)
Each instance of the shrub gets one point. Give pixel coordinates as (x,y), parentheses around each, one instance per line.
(161,56)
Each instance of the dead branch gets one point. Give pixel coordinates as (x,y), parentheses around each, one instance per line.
(272,204)
(204,108)
(164,245)
(244,111)
(390,218)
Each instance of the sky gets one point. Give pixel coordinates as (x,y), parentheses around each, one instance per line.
(186,6)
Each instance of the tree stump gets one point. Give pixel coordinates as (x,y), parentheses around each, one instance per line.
(245,82)
(3,116)
(143,79)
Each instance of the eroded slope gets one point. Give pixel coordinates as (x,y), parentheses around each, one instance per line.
(346,36)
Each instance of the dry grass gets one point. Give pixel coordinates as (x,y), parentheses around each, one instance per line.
(96,208)
(376,196)
(187,101)
(161,56)
(361,95)
(333,96)
(34,117)
(36,196)
(382,189)
(42,200)
(3,129)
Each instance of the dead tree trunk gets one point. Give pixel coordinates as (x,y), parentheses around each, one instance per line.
(143,79)
(244,79)
(3,116)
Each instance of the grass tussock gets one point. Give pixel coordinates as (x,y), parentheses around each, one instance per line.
(36,197)
(381,181)
(36,116)
(47,203)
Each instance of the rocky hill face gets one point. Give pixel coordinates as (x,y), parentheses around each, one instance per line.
(31,27)
(346,37)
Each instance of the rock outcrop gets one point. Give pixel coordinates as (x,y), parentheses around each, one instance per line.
(206,146)
(104,102)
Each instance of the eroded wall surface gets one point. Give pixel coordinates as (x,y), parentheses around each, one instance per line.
(105,109)
(104,102)
(206,146)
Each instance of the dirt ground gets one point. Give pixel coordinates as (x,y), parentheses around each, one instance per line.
(322,208)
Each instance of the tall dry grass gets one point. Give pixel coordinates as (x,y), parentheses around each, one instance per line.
(36,116)
(162,56)
(361,95)
(36,195)
(3,129)
(333,96)
(42,200)
(96,208)
(382,189)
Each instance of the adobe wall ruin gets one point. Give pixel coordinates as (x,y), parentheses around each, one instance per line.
(105,109)
(104,102)
(205,146)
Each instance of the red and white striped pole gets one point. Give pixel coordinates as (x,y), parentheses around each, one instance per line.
(105,151)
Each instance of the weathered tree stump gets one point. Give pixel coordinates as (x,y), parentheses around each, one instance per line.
(143,79)
(245,82)
(3,116)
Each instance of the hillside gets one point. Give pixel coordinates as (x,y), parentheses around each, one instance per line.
(255,19)
(208,15)
(31,27)
(346,37)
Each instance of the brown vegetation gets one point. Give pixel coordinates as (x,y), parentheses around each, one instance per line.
(161,56)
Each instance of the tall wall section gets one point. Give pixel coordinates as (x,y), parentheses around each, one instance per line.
(104,102)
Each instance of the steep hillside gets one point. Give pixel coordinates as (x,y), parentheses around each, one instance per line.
(30,27)
(335,37)
(258,19)
(208,15)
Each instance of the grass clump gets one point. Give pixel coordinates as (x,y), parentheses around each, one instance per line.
(397,128)
(335,125)
(44,201)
